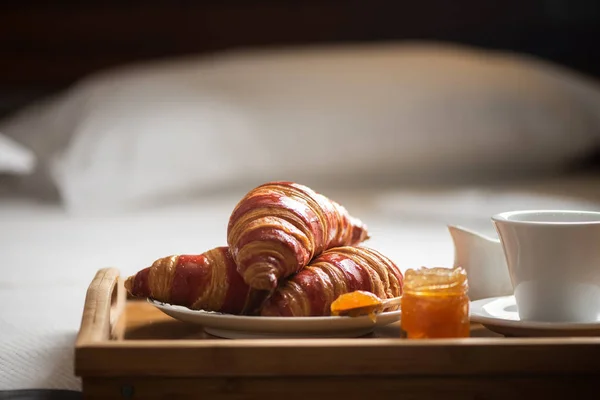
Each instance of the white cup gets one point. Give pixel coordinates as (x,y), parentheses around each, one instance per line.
(553,260)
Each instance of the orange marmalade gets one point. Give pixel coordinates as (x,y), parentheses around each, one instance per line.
(435,303)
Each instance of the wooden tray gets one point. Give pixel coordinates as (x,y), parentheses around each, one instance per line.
(127,349)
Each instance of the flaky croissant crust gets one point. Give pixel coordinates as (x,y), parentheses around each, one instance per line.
(207,281)
(278,227)
(335,272)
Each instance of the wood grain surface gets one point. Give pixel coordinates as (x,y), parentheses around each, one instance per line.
(355,388)
(136,351)
(104,304)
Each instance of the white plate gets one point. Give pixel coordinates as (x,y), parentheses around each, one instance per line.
(245,327)
(500,315)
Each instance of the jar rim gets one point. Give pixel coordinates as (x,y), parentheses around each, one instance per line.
(435,280)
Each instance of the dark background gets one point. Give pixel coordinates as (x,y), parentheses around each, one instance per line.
(46,45)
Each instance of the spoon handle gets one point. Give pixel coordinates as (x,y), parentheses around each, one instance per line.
(394,301)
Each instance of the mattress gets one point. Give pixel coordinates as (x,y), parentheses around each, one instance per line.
(49,257)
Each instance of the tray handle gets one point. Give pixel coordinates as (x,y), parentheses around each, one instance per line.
(104,305)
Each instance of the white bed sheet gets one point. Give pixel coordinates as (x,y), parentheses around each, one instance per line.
(49,258)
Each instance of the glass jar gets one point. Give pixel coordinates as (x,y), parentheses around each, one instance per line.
(435,303)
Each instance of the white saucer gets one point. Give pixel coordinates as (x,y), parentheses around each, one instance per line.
(246,327)
(500,315)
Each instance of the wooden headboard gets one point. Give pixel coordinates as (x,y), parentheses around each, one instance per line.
(47,45)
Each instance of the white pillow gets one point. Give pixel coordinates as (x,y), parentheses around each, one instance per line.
(14,158)
(356,113)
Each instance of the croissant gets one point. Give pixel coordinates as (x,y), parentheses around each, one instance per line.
(208,281)
(278,227)
(337,271)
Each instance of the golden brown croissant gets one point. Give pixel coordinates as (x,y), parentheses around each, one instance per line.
(337,271)
(208,281)
(278,227)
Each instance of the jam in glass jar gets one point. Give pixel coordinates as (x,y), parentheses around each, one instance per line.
(435,303)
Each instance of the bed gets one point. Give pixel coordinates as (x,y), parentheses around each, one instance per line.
(430,123)
(49,257)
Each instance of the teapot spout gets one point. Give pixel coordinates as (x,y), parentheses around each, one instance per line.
(483,259)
